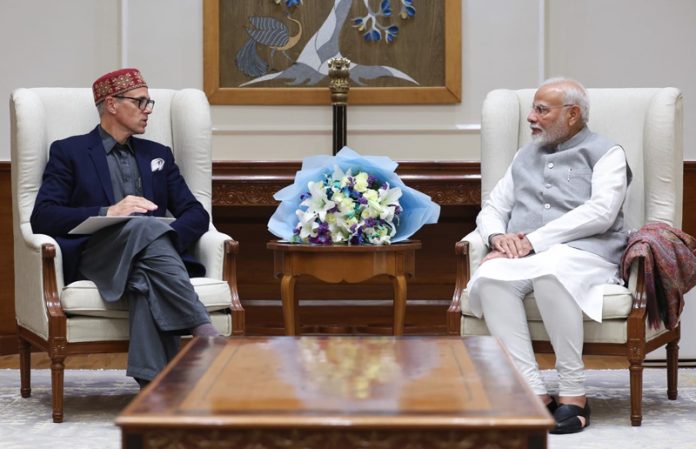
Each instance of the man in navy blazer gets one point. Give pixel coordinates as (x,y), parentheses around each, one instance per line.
(109,172)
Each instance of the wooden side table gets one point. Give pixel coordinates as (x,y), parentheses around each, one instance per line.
(342,263)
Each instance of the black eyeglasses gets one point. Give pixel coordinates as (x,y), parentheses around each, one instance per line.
(143,102)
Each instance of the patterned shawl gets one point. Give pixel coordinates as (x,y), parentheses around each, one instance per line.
(669,268)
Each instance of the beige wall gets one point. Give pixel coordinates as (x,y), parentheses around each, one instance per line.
(506,43)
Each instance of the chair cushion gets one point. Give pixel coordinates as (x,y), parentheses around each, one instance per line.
(617,304)
(81,298)
(615,309)
(608,331)
(82,328)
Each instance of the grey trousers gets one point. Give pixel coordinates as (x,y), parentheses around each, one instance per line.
(137,261)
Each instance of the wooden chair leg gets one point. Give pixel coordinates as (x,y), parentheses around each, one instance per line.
(636,374)
(672,369)
(24,368)
(57,380)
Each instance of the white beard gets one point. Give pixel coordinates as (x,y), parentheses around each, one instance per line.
(553,134)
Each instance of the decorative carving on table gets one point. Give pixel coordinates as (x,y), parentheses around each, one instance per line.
(334,439)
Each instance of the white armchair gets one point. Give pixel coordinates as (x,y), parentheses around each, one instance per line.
(648,124)
(73,319)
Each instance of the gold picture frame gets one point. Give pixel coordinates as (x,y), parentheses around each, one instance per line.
(234,66)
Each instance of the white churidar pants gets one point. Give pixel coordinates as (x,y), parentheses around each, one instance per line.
(566,282)
(504,313)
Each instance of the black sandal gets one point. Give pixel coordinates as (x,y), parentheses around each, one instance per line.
(567,418)
(552,406)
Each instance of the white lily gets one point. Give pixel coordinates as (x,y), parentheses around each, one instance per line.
(342,176)
(318,202)
(339,175)
(388,198)
(339,228)
(307,224)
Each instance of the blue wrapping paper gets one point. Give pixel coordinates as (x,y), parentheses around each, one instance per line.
(418,208)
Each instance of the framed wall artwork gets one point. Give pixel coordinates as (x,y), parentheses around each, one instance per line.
(277,51)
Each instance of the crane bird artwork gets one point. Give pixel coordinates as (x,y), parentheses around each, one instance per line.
(271,33)
(311,66)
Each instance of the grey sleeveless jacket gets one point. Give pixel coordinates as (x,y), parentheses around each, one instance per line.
(550,181)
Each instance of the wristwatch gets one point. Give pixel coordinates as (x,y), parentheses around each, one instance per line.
(490,238)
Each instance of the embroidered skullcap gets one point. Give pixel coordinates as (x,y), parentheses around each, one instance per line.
(116,83)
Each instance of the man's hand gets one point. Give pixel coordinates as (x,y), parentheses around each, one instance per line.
(495,254)
(511,245)
(131,205)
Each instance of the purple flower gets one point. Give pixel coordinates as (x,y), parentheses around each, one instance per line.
(323,236)
(357,239)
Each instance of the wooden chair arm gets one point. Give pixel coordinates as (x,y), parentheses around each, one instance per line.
(57,324)
(637,318)
(461,251)
(639,300)
(229,274)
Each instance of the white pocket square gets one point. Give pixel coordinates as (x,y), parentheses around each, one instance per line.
(157,164)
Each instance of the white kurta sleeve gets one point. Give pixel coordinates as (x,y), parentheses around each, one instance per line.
(596,215)
(495,212)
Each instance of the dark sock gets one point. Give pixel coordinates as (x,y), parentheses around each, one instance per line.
(205,330)
(142,382)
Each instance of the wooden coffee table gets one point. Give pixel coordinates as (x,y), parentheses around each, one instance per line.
(342,263)
(337,393)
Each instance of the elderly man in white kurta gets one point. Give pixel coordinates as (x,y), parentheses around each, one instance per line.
(554,224)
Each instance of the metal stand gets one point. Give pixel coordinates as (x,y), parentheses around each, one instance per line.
(339,86)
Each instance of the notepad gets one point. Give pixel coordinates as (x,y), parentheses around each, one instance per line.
(94,224)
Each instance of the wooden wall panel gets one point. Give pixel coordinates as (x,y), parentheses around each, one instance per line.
(242,198)
(8,342)
(689,211)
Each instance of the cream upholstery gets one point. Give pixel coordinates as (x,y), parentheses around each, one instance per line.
(181,120)
(647,123)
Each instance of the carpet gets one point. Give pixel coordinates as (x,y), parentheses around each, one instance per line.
(93,399)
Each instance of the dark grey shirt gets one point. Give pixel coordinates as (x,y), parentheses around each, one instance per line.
(123,168)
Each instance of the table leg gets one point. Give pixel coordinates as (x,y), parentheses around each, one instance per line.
(399,283)
(290,312)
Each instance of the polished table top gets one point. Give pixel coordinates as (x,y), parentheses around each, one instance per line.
(365,382)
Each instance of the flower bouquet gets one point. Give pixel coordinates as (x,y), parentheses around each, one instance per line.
(350,199)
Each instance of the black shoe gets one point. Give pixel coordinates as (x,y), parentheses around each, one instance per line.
(552,406)
(567,418)
(142,382)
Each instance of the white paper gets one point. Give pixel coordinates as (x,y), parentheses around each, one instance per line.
(93,224)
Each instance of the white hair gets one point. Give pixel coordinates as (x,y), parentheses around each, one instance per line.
(573,93)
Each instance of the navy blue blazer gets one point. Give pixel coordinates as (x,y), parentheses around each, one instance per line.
(76,184)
